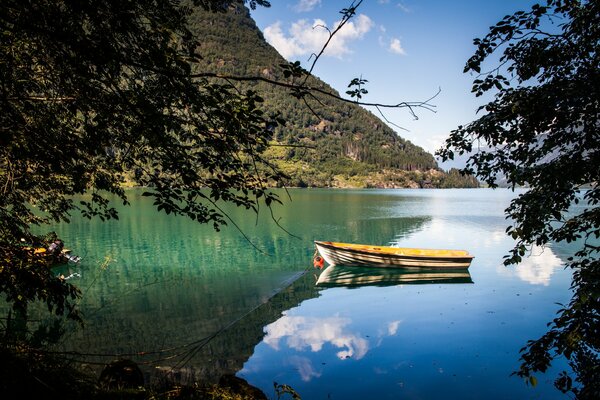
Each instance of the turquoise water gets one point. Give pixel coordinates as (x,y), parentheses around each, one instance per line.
(163,285)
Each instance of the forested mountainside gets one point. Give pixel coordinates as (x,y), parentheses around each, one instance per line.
(336,143)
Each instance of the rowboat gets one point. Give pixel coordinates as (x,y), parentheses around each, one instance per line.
(351,277)
(349,254)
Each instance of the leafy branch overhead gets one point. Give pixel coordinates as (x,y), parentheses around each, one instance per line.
(541,130)
(97,91)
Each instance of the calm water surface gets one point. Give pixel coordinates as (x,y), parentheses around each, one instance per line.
(165,286)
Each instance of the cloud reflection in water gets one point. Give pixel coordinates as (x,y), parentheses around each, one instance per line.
(304,367)
(300,333)
(537,268)
(393,327)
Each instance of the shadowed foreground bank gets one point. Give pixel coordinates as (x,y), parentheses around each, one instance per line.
(208,371)
(25,373)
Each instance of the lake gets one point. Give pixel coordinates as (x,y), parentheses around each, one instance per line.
(168,292)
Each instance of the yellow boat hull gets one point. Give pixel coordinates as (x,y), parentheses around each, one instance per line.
(349,254)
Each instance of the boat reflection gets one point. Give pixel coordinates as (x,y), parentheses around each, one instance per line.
(344,276)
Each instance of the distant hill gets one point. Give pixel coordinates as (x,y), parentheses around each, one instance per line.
(344,145)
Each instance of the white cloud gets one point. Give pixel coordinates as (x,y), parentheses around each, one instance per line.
(403,7)
(435,142)
(304,38)
(287,47)
(306,5)
(300,333)
(396,47)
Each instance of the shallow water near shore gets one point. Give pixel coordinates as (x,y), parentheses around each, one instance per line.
(168,292)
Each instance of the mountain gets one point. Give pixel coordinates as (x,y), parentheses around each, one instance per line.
(330,143)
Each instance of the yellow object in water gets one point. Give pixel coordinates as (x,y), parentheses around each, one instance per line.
(336,253)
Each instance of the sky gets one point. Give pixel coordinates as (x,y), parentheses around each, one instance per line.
(406,49)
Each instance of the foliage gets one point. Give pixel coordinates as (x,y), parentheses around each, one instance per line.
(542,129)
(92,90)
(26,276)
(455,179)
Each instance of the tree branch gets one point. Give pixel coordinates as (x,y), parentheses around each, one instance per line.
(405,104)
(347,13)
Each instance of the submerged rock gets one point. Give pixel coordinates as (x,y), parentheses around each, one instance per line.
(122,374)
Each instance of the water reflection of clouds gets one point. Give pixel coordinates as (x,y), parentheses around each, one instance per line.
(537,268)
(304,367)
(313,332)
(301,333)
(452,232)
(495,237)
(393,327)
